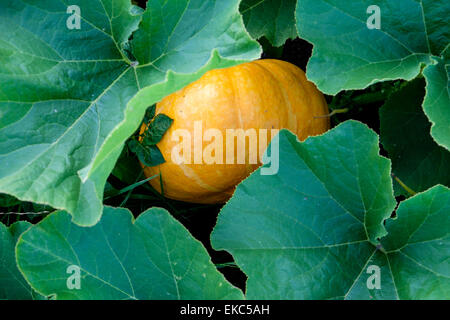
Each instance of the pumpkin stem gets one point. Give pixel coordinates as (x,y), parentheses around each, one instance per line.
(335,111)
(404,186)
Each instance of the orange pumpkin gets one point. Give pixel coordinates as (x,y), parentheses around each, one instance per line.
(262,94)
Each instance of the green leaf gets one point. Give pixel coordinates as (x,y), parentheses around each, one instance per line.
(149,155)
(414,263)
(274,19)
(349,55)
(156,130)
(63,92)
(315,236)
(12,284)
(70,98)
(181,37)
(437,100)
(153,257)
(405,134)
(418,246)
(437,29)
(150,113)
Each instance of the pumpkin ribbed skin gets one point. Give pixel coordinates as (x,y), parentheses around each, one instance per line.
(262,94)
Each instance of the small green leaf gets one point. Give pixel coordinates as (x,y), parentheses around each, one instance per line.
(153,257)
(147,151)
(156,130)
(150,155)
(149,113)
(405,134)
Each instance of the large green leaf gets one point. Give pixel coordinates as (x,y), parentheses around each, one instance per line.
(316,235)
(69,98)
(349,55)
(405,133)
(12,284)
(274,19)
(153,257)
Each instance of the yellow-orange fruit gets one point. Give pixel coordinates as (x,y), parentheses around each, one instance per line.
(262,94)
